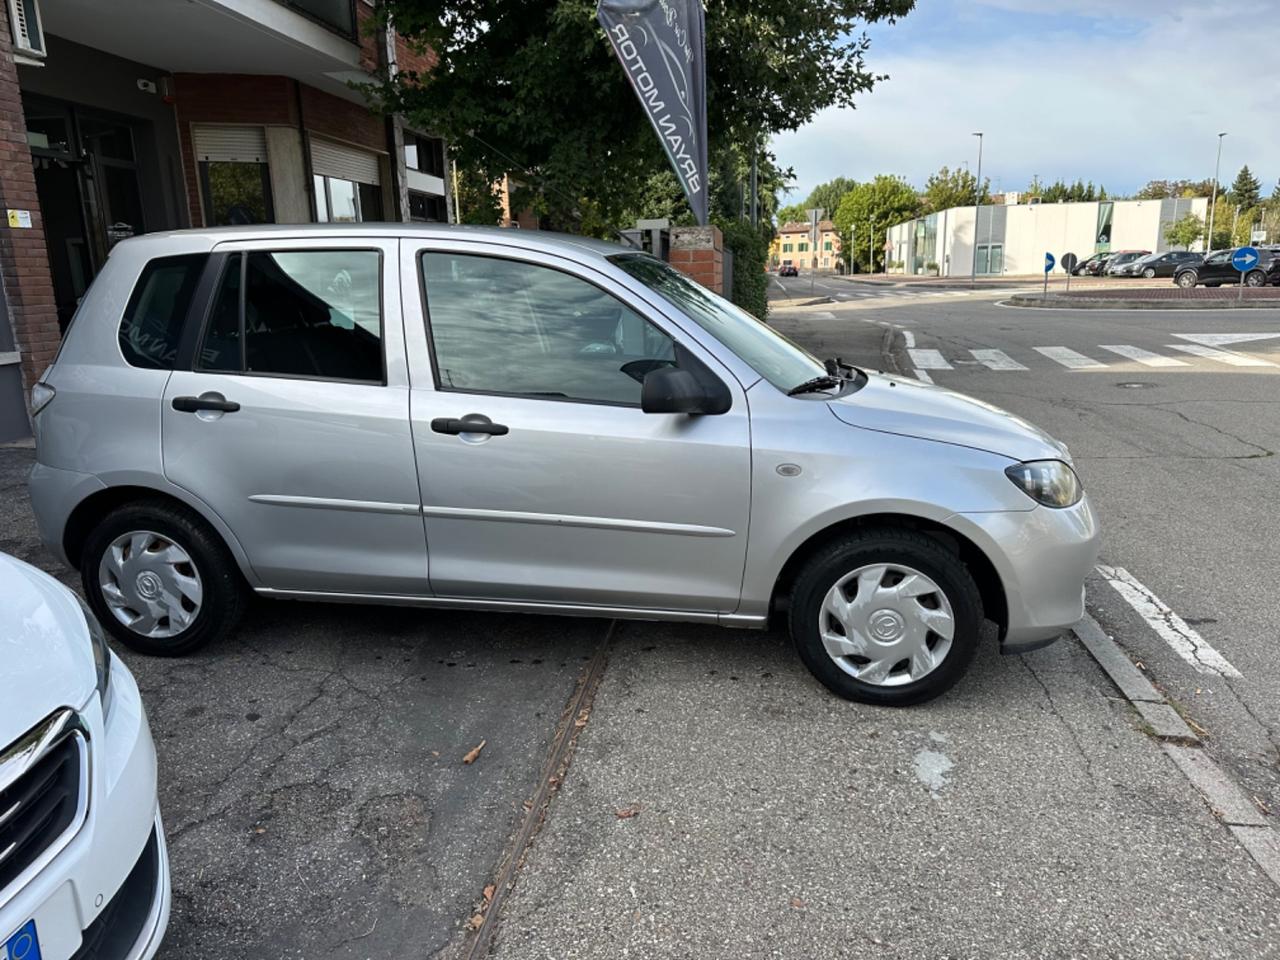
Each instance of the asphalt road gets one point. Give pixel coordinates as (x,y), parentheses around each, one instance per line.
(1178,451)
(719,803)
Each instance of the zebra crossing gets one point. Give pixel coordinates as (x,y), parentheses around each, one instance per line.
(1193,354)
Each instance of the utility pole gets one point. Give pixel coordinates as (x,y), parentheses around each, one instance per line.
(755,183)
(871,249)
(1234,220)
(1208,241)
(977,209)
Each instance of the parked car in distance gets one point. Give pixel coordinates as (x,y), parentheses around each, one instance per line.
(524,422)
(1091,266)
(788,269)
(83,867)
(1217,269)
(1159,264)
(1122,259)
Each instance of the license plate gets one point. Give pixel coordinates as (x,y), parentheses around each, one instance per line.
(23,945)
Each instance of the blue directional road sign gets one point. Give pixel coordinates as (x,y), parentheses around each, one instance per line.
(1048,262)
(1245,259)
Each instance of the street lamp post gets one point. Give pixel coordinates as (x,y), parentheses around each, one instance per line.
(1208,240)
(977,205)
(871,248)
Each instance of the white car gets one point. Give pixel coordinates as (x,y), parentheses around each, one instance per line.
(83,867)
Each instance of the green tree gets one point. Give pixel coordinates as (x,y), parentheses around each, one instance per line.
(1184,231)
(868,211)
(478,201)
(953,188)
(533,88)
(1246,191)
(825,195)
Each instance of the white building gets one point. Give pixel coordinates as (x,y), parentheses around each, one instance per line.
(1013,239)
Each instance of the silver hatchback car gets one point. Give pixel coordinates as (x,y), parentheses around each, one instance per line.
(514,421)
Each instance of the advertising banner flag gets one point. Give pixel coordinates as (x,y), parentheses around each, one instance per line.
(661,45)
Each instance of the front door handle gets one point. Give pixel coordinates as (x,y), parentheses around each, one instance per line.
(471,423)
(196,404)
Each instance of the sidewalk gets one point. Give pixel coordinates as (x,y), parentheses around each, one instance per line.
(722,805)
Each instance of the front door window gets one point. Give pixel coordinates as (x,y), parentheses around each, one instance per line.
(506,327)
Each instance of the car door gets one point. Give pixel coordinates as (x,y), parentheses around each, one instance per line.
(1217,267)
(575,496)
(291,419)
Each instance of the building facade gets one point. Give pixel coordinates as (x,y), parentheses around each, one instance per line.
(799,245)
(136,116)
(1012,239)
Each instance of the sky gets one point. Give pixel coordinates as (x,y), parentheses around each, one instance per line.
(1119,92)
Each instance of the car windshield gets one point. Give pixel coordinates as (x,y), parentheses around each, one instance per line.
(767,352)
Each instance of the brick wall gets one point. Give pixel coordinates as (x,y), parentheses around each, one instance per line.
(699,253)
(262,101)
(24,262)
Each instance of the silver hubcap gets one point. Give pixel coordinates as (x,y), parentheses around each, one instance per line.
(886,624)
(150,584)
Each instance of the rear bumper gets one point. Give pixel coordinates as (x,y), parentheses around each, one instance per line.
(54,494)
(1042,557)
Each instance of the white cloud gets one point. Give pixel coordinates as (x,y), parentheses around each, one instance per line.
(1119,109)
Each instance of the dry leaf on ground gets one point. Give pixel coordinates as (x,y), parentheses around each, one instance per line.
(489,892)
(626,813)
(474,753)
(797,903)
(475,922)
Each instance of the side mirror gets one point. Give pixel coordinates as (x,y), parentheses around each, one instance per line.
(674,390)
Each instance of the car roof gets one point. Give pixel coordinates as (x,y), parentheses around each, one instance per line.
(506,236)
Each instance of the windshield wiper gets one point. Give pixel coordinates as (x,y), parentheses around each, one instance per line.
(817,383)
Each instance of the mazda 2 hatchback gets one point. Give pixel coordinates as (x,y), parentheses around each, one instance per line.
(522,422)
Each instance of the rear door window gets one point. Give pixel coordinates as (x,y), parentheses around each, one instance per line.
(153,319)
(298,313)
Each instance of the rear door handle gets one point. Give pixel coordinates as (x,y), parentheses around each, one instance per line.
(196,404)
(471,423)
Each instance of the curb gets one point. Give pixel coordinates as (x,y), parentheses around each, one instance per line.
(1060,301)
(1226,801)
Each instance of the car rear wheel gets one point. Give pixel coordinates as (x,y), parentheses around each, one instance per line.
(1186,280)
(886,616)
(160,580)
(1255,278)
(1149,273)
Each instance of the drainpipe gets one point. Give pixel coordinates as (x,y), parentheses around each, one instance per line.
(308,176)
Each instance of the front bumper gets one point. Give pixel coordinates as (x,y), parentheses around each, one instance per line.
(1042,557)
(106,894)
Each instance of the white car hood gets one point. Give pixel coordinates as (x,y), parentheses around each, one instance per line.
(45,658)
(913,409)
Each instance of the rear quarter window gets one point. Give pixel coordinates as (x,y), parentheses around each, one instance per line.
(152,324)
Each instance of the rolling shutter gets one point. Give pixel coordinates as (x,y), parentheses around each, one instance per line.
(230,144)
(329,159)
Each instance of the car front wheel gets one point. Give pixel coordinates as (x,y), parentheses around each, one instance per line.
(1186,280)
(1149,273)
(888,616)
(160,580)
(1254,278)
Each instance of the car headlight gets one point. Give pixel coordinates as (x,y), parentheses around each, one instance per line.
(1048,482)
(101,652)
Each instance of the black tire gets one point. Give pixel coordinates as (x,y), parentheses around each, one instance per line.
(1255,278)
(224,592)
(1186,280)
(894,546)
(1149,273)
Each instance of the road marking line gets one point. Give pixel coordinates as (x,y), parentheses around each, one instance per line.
(996,360)
(822,315)
(1222,339)
(1176,632)
(1222,356)
(910,338)
(1145,357)
(923,377)
(1070,359)
(929,360)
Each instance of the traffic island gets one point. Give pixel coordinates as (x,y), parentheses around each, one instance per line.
(1154,298)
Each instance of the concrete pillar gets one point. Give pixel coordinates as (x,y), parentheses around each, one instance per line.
(699,253)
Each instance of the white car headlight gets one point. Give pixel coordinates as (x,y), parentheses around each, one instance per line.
(1048,482)
(101,652)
